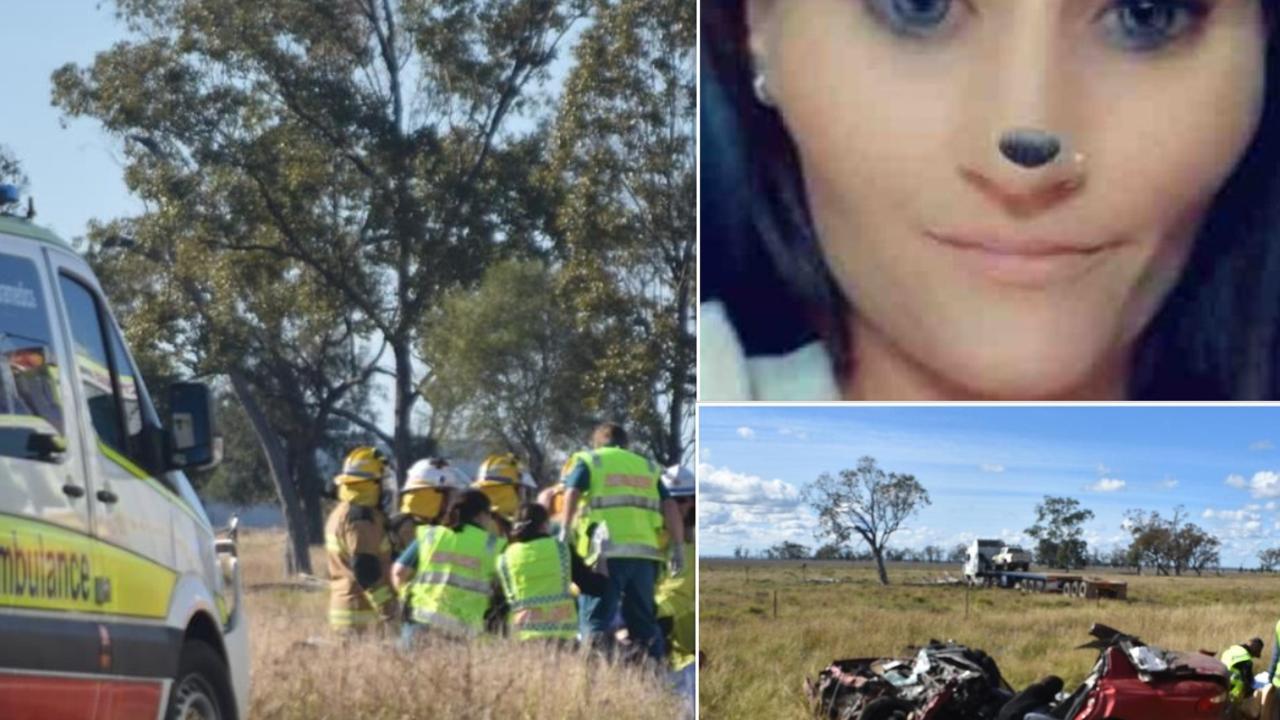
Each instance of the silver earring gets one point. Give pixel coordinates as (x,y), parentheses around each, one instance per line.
(761,89)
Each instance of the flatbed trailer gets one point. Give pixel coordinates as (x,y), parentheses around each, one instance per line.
(1072,585)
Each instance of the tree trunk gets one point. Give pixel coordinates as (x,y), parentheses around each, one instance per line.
(297,554)
(878,553)
(308,482)
(675,416)
(404,406)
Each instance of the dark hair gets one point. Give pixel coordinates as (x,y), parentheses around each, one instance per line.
(465,508)
(609,435)
(1217,335)
(530,521)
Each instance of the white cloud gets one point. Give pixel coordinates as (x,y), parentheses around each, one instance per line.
(793,432)
(704,453)
(992,468)
(1103,469)
(1236,481)
(1169,483)
(1265,484)
(1105,485)
(1262,445)
(1271,505)
(746,432)
(724,486)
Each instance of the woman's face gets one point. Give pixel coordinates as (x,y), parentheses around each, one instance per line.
(967,271)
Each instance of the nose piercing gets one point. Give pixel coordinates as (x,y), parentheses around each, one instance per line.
(761,89)
(1030,148)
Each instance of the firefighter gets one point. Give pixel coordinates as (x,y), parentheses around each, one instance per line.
(423,500)
(536,571)
(453,569)
(1239,662)
(502,478)
(1275,657)
(676,593)
(355,538)
(615,508)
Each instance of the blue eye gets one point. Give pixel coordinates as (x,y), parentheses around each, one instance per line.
(912,17)
(1146,25)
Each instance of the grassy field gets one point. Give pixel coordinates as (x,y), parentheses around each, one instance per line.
(756,664)
(300,671)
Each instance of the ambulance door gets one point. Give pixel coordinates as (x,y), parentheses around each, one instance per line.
(51,613)
(133,508)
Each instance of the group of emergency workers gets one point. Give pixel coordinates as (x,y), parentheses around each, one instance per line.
(604,557)
(1248,700)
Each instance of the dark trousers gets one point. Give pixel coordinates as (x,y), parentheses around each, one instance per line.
(631,584)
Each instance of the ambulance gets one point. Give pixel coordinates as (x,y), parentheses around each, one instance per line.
(117,598)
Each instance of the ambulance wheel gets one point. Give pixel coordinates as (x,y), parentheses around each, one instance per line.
(202,687)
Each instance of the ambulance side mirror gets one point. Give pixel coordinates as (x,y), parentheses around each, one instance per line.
(194,443)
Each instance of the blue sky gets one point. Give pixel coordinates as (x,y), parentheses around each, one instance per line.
(75,172)
(986,468)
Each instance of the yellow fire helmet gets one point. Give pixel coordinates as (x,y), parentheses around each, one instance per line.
(500,479)
(363,464)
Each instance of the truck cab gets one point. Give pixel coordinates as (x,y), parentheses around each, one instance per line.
(117,598)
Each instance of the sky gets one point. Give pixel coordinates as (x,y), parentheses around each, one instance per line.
(76,172)
(986,468)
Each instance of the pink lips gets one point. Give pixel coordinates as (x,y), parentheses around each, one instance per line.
(1019,261)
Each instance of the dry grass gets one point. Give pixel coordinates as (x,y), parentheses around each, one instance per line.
(300,670)
(756,664)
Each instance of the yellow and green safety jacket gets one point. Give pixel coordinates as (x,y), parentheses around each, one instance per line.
(623,495)
(1275,649)
(676,600)
(1240,664)
(535,577)
(455,575)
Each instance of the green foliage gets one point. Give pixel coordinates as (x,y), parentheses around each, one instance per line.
(865,503)
(624,162)
(1059,532)
(509,359)
(11,172)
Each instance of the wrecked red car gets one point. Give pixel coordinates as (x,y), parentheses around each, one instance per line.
(948,681)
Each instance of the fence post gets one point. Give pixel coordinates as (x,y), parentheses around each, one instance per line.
(775,604)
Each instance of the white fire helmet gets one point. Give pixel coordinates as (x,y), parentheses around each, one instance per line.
(680,481)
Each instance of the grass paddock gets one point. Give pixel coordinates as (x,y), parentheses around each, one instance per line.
(756,663)
(299,670)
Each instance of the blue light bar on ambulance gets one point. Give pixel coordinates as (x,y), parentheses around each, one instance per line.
(8,194)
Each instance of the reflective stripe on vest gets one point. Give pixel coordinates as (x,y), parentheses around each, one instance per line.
(341,617)
(440,621)
(625,501)
(444,578)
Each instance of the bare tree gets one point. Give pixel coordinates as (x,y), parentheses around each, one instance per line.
(865,503)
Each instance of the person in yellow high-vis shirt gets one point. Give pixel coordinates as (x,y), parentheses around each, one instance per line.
(615,511)
(536,571)
(676,596)
(355,539)
(1239,662)
(453,570)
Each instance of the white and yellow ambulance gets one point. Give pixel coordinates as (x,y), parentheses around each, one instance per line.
(116,598)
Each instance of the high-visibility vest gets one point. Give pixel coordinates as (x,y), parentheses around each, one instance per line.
(455,571)
(535,577)
(623,495)
(1231,657)
(675,599)
(1275,680)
